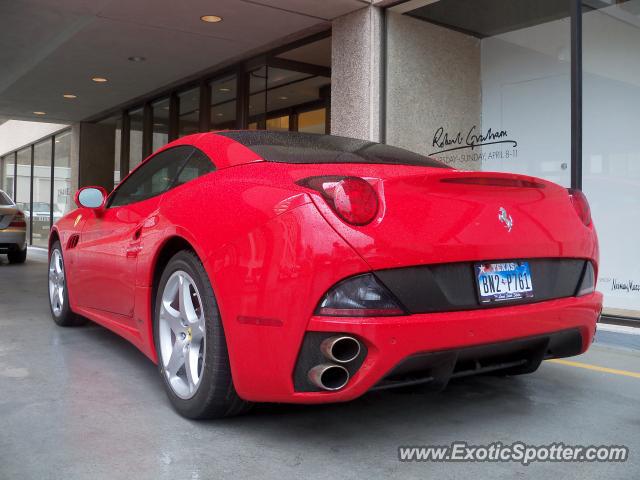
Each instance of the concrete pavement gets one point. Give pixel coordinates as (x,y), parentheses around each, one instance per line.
(83,403)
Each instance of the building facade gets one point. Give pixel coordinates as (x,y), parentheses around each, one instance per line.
(540,87)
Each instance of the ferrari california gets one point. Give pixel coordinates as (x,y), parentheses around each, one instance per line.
(285,267)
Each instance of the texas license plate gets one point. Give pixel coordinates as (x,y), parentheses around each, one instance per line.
(504,281)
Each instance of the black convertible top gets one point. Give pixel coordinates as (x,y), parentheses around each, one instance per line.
(295,147)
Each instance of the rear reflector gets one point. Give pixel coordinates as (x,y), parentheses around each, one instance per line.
(494,182)
(360,296)
(352,198)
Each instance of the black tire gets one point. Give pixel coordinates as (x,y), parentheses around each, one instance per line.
(216,396)
(17,256)
(65,317)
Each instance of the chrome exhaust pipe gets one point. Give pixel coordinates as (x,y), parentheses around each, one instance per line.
(328,377)
(340,349)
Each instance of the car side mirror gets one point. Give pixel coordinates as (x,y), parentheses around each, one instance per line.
(91,197)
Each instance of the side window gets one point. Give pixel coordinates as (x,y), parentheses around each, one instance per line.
(154,177)
(197,165)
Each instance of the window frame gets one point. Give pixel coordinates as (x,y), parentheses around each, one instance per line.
(176,181)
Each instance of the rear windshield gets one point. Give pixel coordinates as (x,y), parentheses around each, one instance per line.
(5,201)
(293,147)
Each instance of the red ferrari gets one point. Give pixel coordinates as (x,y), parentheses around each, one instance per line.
(281,267)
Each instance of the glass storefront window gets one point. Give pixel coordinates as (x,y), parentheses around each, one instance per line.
(223,103)
(313,121)
(113,125)
(611,146)
(35,188)
(23,183)
(189,117)
(62,194)
(135,138)
(278,123)
(41,207)
(6,178)
(278,96)
(160,123)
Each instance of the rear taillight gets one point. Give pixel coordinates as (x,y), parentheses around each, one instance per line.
(18,221)
(361,296)
(581,205)
(352,198)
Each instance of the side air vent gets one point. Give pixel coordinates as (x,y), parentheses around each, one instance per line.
(73,241)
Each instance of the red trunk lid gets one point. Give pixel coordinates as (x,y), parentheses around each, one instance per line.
(438,216)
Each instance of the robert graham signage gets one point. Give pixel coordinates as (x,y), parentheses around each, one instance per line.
(464,146)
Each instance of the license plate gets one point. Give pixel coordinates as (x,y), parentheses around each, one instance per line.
(504,281)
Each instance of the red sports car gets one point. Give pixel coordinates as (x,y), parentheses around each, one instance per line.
(281,267)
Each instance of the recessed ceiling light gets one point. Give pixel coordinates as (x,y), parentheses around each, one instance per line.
(137,58)
(39,113)
(219,114)
(99,79)
(283,98)
(69,95)
(211,18)
(224,89)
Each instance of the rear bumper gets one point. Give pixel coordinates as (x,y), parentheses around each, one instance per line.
(391,340)
(12,239)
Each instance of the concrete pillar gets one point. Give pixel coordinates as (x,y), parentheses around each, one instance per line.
(74,158)
(92,155)
(433,84)
(356,74)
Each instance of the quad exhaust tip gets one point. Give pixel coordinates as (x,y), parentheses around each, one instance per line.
(328,376)
(340,349)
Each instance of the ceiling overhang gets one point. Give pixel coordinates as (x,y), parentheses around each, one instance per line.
(49,48)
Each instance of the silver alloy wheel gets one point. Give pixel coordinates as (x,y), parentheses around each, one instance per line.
(56,282)
(181,332)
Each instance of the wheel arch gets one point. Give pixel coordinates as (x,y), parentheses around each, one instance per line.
(53,237)
(164,253)
(167,250)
